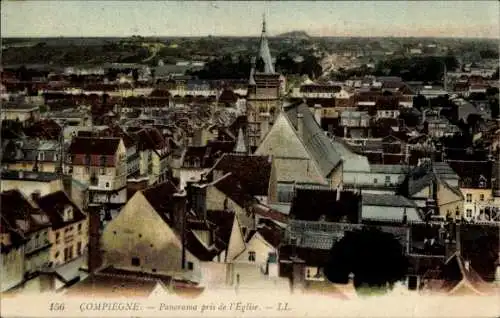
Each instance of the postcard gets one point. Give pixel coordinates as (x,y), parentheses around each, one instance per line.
(250,159)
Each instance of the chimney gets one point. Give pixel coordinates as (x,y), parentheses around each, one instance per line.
(467,265)
(317,113)
(35,195)
(94,257)
(300,124)
(179,221)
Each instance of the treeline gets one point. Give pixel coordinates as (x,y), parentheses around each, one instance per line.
(427,69)
(239,67)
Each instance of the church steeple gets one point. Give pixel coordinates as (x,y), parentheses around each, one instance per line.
(264,52)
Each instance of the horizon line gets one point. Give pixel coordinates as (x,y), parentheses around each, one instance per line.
(252,36)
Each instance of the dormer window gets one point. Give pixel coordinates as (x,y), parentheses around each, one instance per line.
(482,182)
(68,213)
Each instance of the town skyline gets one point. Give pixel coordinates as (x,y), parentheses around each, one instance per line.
(203,18)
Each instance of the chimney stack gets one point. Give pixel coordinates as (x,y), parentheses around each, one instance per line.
(179,221)
(35,195)
(94,256)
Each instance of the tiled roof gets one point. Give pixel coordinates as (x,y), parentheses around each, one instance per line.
(53,205)
(232,187)
(95,146)
(387,200)
(269,213)
(254,172)
(116,284)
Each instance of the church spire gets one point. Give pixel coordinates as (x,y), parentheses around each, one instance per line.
(264,52)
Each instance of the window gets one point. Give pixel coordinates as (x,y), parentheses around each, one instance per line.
(57,237)
(251,256)
(412,282)
(66,254)
(468,197)
(387,179)
(136,261)
(87,160)
(308,274)
(41,156)
(79,248)
(79,228)
(481,197)
(469,213)
(375,181)
(57,254)
(190,266)
(102,161)
(107,184)
(102,171)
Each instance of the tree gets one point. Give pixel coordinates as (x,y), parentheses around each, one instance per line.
(374,257)
(420,102)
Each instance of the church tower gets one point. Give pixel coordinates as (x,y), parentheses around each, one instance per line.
(263,97)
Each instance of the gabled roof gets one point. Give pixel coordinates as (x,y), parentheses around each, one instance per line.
(161,199)
(19,215)
(53,205)
(421,177)
(320,147)
(94,146)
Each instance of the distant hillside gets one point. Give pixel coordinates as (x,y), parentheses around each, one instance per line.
(294,34)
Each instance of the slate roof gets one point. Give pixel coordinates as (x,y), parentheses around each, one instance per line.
(254,172)
(314,138)
(94,146)
(389,169)
(53,205)
(375,208)
(387,200)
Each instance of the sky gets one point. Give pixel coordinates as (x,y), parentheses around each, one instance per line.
(25,18)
